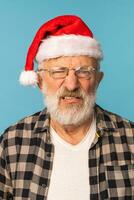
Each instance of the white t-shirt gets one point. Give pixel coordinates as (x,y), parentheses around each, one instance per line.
(70,173)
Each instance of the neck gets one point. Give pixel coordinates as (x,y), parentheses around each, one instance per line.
(71,133)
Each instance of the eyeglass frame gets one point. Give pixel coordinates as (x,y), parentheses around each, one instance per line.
(89,69)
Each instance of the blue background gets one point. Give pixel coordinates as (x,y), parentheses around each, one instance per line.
(112,22)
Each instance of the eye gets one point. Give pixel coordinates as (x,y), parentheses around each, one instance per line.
(84,72)
(58,72)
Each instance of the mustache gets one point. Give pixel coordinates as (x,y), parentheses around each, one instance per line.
(63,92)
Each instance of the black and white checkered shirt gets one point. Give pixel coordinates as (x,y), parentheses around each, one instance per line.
(26,158)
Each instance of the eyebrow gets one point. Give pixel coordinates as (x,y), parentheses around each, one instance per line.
(73,67)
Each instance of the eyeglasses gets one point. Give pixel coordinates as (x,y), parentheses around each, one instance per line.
(62,72)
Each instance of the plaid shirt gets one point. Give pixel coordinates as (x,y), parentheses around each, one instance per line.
(26,158)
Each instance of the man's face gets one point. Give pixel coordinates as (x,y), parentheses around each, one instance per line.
(69,97)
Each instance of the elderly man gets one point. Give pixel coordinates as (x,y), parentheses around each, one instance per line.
(73,149)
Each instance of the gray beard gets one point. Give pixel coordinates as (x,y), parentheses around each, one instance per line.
(72,114)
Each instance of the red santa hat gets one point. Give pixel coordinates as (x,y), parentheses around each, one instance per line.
(64,35)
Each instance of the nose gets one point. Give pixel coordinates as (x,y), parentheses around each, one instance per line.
(71,81)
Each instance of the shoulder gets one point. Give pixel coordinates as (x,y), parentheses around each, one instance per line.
(19,130)
(113,120)
(116,136)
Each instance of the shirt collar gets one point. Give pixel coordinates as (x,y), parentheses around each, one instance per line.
(103,122)
(43,124)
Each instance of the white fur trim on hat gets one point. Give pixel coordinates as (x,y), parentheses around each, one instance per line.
(28,78)
(68,45)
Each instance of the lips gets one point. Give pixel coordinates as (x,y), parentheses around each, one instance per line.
(66,97)
(71,99)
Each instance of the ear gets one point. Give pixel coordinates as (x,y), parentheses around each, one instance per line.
(100,76)
(40,82)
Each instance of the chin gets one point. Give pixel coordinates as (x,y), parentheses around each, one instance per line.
(71,114)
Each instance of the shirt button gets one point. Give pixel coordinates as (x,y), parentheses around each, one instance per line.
(48,154)
(93,153)
(44,185)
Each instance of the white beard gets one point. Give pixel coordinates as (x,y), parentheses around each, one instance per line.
(72,114)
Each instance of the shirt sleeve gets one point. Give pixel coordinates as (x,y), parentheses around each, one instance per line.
(5,180)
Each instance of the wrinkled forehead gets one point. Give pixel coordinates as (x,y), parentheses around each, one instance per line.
(70,61)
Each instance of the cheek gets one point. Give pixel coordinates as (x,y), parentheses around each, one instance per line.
(88,86)
(51,85)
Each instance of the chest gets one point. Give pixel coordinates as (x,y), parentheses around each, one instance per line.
(110,167)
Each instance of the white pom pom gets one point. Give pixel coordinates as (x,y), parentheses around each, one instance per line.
(28,78)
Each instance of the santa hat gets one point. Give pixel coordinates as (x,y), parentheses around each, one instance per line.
(64,35)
